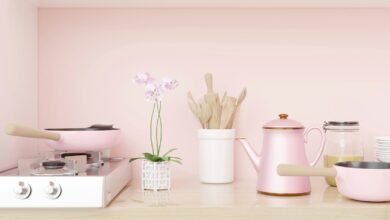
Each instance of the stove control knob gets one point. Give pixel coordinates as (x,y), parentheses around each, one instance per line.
(22,190)
(53,190)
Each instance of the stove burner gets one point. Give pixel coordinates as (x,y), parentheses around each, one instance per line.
(53,172)
(63,155)
(53,165)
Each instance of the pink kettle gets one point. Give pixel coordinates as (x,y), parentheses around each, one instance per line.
(283,143)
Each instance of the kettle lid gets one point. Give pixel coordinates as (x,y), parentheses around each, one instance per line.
(283,123)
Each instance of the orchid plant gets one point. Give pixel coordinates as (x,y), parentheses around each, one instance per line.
(154,92)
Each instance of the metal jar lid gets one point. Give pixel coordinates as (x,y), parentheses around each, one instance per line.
(341,125)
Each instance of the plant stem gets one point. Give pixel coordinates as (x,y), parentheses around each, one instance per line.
(159,118)
(151,126)
(158,115)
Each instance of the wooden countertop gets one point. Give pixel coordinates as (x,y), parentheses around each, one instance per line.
(193,200)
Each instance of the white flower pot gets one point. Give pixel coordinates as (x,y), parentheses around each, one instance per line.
(156,175)
(216,155)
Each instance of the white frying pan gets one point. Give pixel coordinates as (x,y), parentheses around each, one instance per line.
(358,180)
(94,138)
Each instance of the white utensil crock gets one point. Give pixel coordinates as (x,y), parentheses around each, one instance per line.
(216,155)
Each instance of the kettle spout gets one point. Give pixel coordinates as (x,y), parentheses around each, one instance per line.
(253,156)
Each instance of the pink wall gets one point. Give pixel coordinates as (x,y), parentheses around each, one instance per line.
(18,76)
(315,64)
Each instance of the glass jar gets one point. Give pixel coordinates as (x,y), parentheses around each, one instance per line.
(342,143)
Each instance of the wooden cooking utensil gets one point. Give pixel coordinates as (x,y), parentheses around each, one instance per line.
(224,97)
(190,97)
(241,97)
(205,113)
(239,101)
(194,108)
(212,99)
(210,96)
(216,114)
(228,109)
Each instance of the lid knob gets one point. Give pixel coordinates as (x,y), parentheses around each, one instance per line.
(283,116)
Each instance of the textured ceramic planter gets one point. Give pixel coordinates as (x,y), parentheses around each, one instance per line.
(155,175)
(216,155)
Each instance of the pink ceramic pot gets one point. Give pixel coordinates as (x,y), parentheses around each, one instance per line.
(358,180)
(94,138)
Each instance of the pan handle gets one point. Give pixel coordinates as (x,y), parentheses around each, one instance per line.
(300,170)
(16,130)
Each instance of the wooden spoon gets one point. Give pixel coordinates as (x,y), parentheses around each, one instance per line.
(224,97)
(239,101)
(194,108)
(215,119)
(228,109)
(205,113)
(212,99)
(210,96)
(241,97)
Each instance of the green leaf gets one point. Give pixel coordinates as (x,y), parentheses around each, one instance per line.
(136,158)
(170,151)
(165,158)
(153,158)
(149,156)
(158,159)
(178,158)
(176,161)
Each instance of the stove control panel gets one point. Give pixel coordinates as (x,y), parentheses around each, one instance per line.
(53,190)
(93,189)
(22,190)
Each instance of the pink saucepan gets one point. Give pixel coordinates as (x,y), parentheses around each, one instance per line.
(94,138)
(358,180)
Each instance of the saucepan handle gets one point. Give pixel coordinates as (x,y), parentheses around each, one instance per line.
(16,130)
(322,146)
(299,170)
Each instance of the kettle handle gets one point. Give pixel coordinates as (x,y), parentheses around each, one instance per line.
(306,133)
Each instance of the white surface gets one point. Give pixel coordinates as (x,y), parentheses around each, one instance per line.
(18,77)
(65,191)
(189,200)
(214,3)
(216,155)
(77,192)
